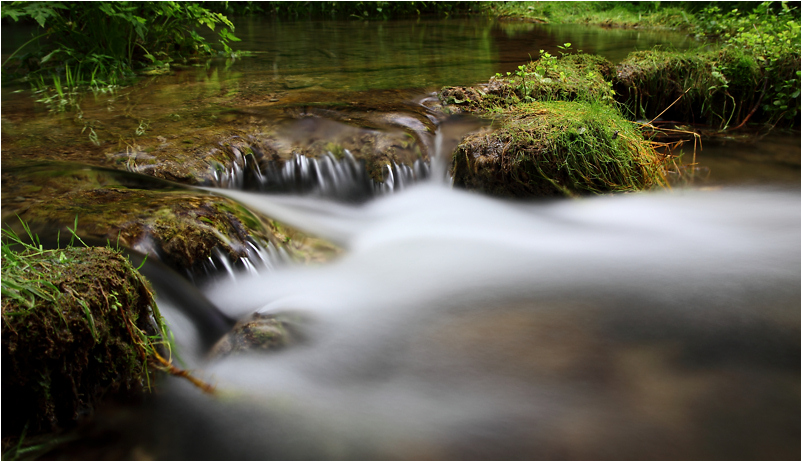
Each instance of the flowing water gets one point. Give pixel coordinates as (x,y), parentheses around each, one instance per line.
(457,326)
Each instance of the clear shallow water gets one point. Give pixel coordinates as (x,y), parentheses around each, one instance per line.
(298,63)
(770,160)
(419,53)
(342,66)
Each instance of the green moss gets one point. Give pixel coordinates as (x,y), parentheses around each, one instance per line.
(719,87)
(652,15)
(558,131)
(185,226)
(571,77)
(78,324)
(336,150)
(557,148)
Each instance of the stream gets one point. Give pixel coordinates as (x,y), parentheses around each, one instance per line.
(659,325)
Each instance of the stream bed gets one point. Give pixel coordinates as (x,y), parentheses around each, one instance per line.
(427,322)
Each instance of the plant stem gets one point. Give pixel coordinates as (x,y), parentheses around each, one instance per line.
(23,46)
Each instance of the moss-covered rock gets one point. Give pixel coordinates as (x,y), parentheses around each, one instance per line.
(571,77)
(557,148)
(182,227)
(556,131)
(262,140)
(78,324)
(720,87)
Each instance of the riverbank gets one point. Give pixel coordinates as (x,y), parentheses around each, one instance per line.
(672,16)
(746,70)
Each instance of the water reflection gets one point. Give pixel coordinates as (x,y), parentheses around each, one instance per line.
(363,55)
(773,160)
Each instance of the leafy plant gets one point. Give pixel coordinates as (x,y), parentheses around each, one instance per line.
(769,36)
(362,10)
(663,15)
(97,43)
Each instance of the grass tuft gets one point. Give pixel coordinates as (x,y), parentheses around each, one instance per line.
(558,148)
(78,323)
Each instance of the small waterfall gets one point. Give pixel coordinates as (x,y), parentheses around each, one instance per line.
(342,176)
(345,178)
(258,259)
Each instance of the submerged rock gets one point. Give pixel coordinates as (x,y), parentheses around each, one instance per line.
(559,148)
(78,325)
(260,332)
(249,138)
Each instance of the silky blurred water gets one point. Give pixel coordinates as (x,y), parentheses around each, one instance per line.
(460,326)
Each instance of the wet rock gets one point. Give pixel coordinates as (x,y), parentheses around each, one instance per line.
(186,229)
(216,141)
(260,332)
(78,325)
(460,99)
(559,148)
(262,140)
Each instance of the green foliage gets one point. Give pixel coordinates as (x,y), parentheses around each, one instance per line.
(569,77)
(98,43)
(20,281)
(373,10)
(23,281)
(558,148)
(752,75)
(669,15)
(767,39)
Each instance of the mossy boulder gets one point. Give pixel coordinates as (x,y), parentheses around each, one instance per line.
(556,131)
(557,148)
(78,324)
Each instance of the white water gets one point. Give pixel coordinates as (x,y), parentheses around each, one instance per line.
(460,326)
